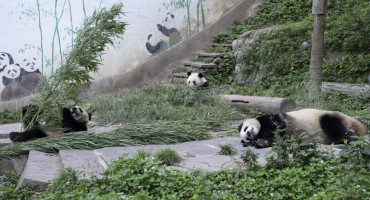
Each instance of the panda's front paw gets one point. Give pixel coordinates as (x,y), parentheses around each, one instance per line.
(66,112)
(247,144)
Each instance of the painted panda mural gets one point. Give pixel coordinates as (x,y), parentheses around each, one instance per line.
(29,66)
(73,120)
(12,74)
(332,126)
(156,42)
(196,80)
(5,59)
(30,75)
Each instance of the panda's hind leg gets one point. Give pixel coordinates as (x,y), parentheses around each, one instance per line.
(334,128)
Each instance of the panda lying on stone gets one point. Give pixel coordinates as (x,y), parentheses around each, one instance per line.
(332,126)
(74,120)
(197,80)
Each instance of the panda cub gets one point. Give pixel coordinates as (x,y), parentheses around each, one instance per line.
(73,120)
(196,79)
(332,126)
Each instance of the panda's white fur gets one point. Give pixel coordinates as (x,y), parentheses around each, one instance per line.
(197,80)
(73,120)
(332,126)
(80,115)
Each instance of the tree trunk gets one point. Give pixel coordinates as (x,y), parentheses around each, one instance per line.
(264,104)
(317,56)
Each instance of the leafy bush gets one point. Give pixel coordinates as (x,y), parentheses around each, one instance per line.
(147,178)
(7,117)
(224,73)
(8,185)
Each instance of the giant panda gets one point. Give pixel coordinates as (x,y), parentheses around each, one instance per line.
(332,126)
(73,120)
(197,80)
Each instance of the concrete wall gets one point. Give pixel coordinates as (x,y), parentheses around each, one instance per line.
(36,34)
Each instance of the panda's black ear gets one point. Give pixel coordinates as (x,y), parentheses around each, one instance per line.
(200,75)
(189,73)
(90,116)
(240,127)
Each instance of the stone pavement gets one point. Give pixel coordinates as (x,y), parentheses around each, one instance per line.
(40,168)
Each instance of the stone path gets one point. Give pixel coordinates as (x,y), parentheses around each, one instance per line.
(39,168)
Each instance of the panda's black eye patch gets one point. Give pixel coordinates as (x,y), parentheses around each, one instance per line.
(245,129)
(194,83)
(80,109)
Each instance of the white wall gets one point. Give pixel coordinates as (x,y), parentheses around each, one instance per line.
(20,35)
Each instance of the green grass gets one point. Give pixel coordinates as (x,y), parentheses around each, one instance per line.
(162,102)
(227,149)
(168,156)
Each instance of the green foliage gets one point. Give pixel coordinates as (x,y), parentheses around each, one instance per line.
(275,61)
(227,149)
(8,184)
(224,38)
(348,26)
(147,178)
(267,68)
(273,12)
(353,69)
(168,156)
(7,117)
(64,84)
(224,73)
(162,102)
(250,158)
(357,153)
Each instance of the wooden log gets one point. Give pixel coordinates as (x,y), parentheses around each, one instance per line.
(355,90)
(264,104)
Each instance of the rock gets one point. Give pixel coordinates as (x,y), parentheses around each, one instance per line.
(234,45)
(304,46)
(217,61)
(40,169)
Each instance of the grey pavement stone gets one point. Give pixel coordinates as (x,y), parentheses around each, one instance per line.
(84,161)
(205,162)
(15,164)
(5,129)
(40,169)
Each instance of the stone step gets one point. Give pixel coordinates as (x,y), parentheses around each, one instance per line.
(7,128)
(180,75)
(84,161)
(40,169)
(199,65)
(4,142)
(212,55)
(221,45)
